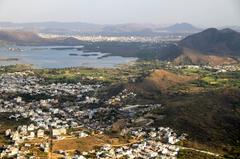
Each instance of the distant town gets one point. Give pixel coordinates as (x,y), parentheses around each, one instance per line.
(99,38)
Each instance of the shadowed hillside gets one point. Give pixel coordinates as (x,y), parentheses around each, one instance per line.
(216,42)
(210,118)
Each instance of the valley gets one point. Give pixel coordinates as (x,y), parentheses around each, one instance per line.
(115,99)
(119,79)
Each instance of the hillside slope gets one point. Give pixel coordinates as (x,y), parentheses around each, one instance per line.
(19,36)
(210,116)
(193,57)
(182,28)
(211,119)
(224,42)
(160,81)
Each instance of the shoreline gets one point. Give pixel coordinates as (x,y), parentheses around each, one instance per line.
(9,59)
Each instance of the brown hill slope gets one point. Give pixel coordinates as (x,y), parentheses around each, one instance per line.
(163,79)
(190,57)
(160,80)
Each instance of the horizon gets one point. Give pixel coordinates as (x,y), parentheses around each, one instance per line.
(106,12)
(130,23)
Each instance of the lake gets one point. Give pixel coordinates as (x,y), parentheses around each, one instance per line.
(59,57)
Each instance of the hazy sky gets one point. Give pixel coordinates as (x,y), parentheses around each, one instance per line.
(198,12)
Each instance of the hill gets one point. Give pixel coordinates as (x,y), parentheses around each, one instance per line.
(211,46)
(210,116)
(160,81)
(182,28)
(215,42)
(193,57)
(19,36)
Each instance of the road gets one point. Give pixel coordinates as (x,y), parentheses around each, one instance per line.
(202,151)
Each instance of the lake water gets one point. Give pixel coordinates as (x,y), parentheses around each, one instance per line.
(60,57)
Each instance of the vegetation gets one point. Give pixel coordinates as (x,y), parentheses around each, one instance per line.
(6,123)
(146,51)
(205,107)
(14,68)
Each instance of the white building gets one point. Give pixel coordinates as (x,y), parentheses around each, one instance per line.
(40,133)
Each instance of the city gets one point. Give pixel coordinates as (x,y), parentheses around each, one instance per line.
(119,79)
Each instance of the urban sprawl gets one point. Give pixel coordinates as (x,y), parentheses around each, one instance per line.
(66,111)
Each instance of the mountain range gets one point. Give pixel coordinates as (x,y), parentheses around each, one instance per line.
(97,29)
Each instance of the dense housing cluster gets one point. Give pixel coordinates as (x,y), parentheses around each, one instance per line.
(51,119)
